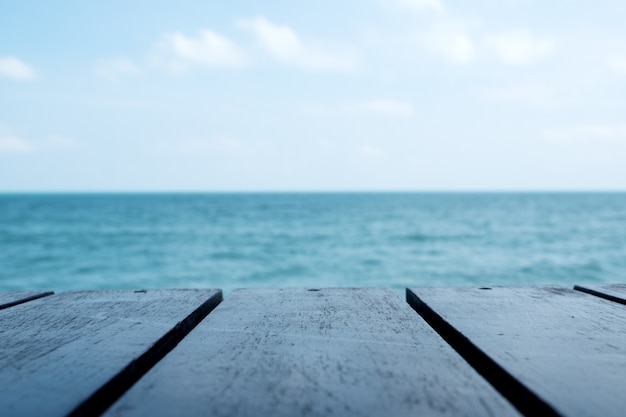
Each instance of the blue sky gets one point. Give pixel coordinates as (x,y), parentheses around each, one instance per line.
(311,96)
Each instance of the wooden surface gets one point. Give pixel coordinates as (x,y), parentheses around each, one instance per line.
(296,352)
(13,298)
(77,351)
(612,292)
(565,346)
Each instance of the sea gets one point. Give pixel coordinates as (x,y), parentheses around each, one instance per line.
(66,242)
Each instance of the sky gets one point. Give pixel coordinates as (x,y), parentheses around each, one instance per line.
(343,95)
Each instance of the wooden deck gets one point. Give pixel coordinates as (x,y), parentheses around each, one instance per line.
(497,351)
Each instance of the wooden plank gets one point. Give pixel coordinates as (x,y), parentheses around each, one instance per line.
(292,352)
(611,292)
(13,298)
(76,352)
(564,346)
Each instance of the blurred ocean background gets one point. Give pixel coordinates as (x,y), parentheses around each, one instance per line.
(224,240)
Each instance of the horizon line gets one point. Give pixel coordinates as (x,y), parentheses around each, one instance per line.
(320,191)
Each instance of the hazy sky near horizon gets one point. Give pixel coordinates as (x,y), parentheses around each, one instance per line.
(325,95)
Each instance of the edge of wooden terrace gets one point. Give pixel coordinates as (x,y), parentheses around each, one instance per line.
(540,350)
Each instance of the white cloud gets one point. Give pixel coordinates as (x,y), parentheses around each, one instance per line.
(116,68)
(16,69)
(14,144)
(179,53)
(382,107)
(370,151)
(284,45)
(450,41)
(10,143)
(534,95)
(617,63)
(519,47)
(220,144)
(421,5)
(58,142)
(616,132)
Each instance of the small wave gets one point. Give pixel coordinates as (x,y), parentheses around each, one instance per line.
(227,256)
(562,272)
(421,237)
(276,274)
(371,262)
(417,237)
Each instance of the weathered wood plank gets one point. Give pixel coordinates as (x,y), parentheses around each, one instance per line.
(292,352)
(612,292)
(13,298)
(76,352)
(564,346)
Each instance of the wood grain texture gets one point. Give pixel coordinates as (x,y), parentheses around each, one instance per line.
(566,347)
(13,298)
(74,352)
(297,352)
(612,292)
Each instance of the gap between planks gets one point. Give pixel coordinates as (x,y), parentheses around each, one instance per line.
(614,292)
(522,398)
(110,392)
(11,299)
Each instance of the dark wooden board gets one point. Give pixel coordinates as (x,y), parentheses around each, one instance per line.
(13,298)
(293,352)
(76,352)
(564,346)
(612,292)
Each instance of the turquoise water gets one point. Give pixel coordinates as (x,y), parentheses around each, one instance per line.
(97,241)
